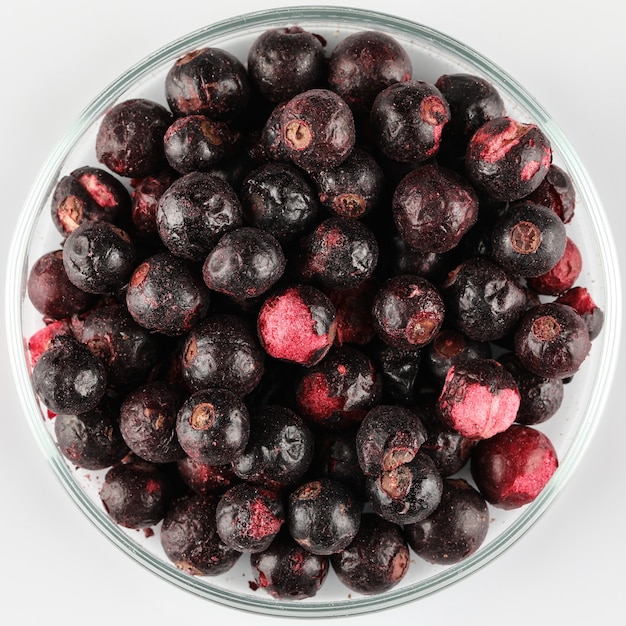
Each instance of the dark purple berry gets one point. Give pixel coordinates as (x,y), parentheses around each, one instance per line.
(562,276)
(399,370)
(145,199)
(354,313)
(204,478)
(556,192)
(581,301)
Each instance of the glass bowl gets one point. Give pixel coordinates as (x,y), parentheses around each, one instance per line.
(432,53)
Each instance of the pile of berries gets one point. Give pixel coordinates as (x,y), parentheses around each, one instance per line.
(311,311)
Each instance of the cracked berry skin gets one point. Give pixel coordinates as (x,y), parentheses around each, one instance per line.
(147,421)
(507,159)
(297,324)
(249,517)
(407,120)
(287,571)
(245,263)
(552,340)
(203,478)
(280,199)
(279,450)
(90,440)
(145,199)
(317,129)
(194,212)
(581,301)
(556,192)
(455,530)
(389,436)
(479,398)
(68,378)
(213,426)
(99,257)
(198,143)
(528,240)
(408,493)
(563,275)
(283,62)
(339,390)
(399,371)
(363,64)
(88,193)
(408,312)
(377,559)
(136,494)
(130,138)
(207,81)
(540,397)
(340,253)
(511,468)
(323,516)
(483,301)
(165,295)
(50,290)
(190,540)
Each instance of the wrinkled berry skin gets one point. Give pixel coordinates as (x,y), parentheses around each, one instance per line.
(222,352)
(283,62)
(455,530)
(204,478)
(194,212)
(482,300)
(407,120)
(166,296)
(433,207)
(449,347)
(317,129)
(363,64)
(563,275)
(213,426)
(68,378)
(528,239)
(581,301)
(99,257)
(87,193)
(552,340)
(145,198)
(408,312)
(50,290)
(507,159)
(399,370)
(376,560)
(556,192)
(323,516)
(190,540)
(279,450)
(207,81)
(130,138)
(287,571)
(245,263)
(249,517)
(512,468)
(340,253)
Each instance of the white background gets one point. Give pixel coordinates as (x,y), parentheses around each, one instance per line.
(55,567)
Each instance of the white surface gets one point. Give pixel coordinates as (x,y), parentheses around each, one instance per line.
(56,57)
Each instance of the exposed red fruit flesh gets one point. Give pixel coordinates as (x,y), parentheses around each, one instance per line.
(262,521)
(41,340)
(563,275)
(316,396)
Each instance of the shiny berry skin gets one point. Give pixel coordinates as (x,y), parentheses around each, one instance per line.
(399,371)
(528,239)
(282,62)
(377,559)
(213,426)
(433,207)
(164,294)
(511,468)
(407,120)
(363,64)
(455,530)
(556,192)
(190,540)
(323,516)
(207,81)
(581,301)
(408,312)
(194,212)
(249,517)
(297,324)
(563,275)
(340,253)
(245,263)
(552,340)
(479,398)
(507,159)
(99,257)
(68,378)
(287,571)
(130,138)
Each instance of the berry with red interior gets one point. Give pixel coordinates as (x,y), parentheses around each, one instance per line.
(581,301)
(556,192)
(561,276)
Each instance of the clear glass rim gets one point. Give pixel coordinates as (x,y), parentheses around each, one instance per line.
(17,273)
